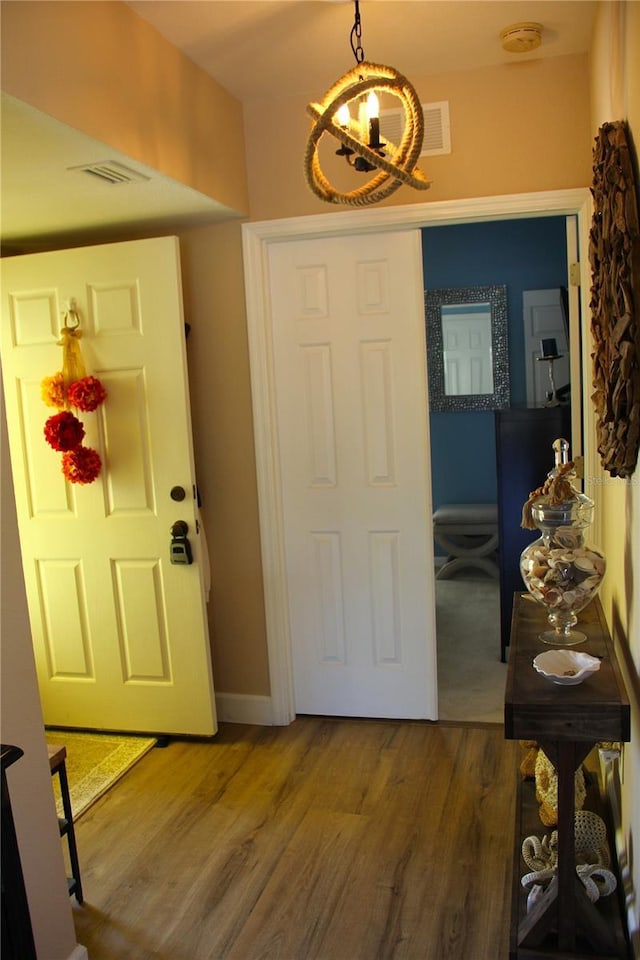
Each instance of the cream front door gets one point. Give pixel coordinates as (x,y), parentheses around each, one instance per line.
(120,633)
(350,380)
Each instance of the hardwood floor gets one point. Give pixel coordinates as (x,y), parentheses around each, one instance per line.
(325,840)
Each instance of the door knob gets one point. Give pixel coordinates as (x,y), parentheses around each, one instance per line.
(177,493)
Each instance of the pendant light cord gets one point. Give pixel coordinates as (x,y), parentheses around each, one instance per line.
(356,36)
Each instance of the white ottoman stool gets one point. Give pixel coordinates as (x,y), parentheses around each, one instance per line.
(469,534)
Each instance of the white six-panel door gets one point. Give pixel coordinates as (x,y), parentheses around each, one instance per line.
(350,382)
(467,350)
(120,633)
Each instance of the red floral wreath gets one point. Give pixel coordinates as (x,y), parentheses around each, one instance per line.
(70,387)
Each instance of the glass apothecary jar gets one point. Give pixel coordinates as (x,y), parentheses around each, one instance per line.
(560,570)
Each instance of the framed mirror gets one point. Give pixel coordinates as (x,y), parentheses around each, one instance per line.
(467,348)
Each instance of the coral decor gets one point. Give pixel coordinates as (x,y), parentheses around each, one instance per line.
(81,465)
(71,387)
(86,394)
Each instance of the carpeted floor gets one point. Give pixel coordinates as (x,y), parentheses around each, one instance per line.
(94,762)
(471,678)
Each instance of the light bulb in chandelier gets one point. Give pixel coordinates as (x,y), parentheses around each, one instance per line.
(344,117)
(373,121)
(359,136)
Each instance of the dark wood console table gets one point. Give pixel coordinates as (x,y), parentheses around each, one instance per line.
(567,722)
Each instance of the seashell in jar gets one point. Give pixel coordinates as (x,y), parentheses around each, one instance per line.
(538,570)
(585,564)
(560,570)
(590,583)
(569,597)
(563,556)
(567,538)
(552,597)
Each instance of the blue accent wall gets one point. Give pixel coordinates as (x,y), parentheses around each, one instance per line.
(524,255)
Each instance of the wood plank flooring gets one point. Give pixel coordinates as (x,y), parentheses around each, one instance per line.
(325,840)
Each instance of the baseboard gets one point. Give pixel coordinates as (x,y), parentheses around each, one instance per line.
(244,708)
(610,778)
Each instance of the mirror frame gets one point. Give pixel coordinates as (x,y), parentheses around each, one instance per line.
(496,297)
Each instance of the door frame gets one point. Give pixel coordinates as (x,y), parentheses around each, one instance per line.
(256,239)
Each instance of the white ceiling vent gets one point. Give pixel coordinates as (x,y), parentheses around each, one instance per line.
(437,131)
(111,172)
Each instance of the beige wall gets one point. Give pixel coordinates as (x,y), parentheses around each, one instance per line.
(515,128)
(615,95)
(29,779)
(101,69)
(217,354)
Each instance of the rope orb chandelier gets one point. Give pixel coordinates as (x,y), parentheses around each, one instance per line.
(359,136)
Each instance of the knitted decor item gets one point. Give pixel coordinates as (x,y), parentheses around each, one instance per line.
(591,839)
(591,857)
(547,789)
(528,762)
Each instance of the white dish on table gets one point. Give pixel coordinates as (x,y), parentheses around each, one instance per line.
(566,667)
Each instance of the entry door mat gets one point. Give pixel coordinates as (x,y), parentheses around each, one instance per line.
(94,762)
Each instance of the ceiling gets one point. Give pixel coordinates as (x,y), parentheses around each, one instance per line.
(262,48)
(254,49)
(46,193)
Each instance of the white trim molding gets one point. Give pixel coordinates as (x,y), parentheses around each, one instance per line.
(257,237)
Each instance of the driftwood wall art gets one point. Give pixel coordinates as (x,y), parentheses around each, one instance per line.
(614,254)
